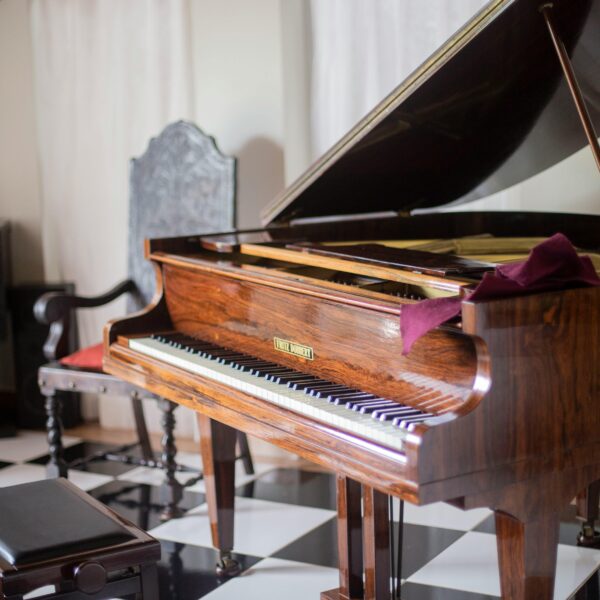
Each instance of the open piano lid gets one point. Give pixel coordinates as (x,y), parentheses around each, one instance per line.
(489,109)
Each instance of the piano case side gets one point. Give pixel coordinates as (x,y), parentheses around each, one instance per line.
(536,396)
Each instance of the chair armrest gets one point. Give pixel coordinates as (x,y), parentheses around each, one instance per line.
(52,306)
(54,309)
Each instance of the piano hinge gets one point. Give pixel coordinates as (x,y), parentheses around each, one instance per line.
(569,73)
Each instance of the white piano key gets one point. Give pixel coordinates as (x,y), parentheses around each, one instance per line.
(278,394)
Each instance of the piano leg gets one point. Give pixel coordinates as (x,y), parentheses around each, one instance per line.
(217,446)
(588,512)
(527,556)
(376,544)
(363,543)
(349,525)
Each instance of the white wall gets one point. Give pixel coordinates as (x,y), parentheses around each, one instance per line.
(238,91)
(19,174)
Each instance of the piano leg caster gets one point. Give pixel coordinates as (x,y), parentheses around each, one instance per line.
(588,512)
(589,536)
(227,565)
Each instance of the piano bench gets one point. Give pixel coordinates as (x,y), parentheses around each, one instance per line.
(53,534)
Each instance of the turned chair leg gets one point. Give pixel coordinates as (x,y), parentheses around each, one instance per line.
(140,427)
(57,466)
(173,488)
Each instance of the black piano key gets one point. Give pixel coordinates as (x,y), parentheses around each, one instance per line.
(264,371)
(324,385)
(286,377)
(230,360)
(248,365)
(391,415)
(341,400)
(357,404)
(366,410)
(405,422)
(323,392)
(299,385)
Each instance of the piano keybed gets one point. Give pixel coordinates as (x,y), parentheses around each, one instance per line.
(378,419)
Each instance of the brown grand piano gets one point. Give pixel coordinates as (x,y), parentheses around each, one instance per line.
(292,333)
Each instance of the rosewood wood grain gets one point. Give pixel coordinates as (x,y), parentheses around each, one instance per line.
(350,543)
(248,316)
(537,375)
(527,556)
(453,285)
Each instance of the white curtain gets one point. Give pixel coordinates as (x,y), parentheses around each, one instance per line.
(362,49)
(109,75)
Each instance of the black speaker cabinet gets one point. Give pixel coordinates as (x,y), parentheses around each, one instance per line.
(28,338)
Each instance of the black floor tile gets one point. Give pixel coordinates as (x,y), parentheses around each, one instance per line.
(413,591)
(590,590)
(104,467)
(141,504)
(422,544)
(317,547)
(293,486)
(188,572)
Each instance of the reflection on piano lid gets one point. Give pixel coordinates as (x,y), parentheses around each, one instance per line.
(489,109)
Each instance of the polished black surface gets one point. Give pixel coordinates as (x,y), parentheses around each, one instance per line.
(491,109)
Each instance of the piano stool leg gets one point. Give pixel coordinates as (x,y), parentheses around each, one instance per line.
(140,427)
(245,456)
(217,446)
(57,466)
(527,556)
(172,487)
(588,512)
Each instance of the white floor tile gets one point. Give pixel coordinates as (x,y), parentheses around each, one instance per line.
(261,527)
(88,481)
(26,473)
(443,515)
(275,578)
(471,564)
(28,445)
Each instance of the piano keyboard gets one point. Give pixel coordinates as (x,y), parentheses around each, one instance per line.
(377,419)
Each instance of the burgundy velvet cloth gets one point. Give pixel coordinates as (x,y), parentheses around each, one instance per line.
(89,358)
(553,264)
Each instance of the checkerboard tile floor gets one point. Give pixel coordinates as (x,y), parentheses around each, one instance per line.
(286,533)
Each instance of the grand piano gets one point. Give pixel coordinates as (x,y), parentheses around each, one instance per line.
(292,333)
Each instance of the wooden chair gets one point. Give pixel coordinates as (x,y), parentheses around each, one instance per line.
(53,534)
(181,185)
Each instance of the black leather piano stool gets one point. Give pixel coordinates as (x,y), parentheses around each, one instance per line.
(52,533)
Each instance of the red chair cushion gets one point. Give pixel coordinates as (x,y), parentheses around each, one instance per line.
(89,358)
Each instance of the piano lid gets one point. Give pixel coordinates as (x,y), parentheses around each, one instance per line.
(489,109)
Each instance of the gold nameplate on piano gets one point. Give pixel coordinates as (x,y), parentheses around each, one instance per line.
(293,348)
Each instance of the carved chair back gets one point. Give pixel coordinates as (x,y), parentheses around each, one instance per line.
(181,185)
